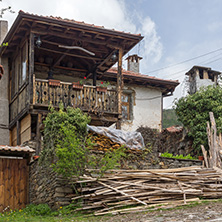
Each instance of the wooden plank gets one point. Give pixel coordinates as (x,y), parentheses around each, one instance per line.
(25,123)
(6,182)
(1,185)
(18,132)
(12,172)
(26,135)
(14,136)
(205,156)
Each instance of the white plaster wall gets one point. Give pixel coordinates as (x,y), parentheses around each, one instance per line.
(147,110)
(203,82)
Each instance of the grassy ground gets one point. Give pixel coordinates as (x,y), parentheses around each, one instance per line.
(43,213)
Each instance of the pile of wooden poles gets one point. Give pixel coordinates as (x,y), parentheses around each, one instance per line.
(122,191)
(214,143)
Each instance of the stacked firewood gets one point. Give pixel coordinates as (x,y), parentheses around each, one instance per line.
(103,143)
(121,191)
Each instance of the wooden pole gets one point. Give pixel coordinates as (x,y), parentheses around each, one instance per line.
(119,88)
(31,66)
(94,78)
(205,156)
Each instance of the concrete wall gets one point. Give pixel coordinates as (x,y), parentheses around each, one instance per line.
(147,109)
(4,107)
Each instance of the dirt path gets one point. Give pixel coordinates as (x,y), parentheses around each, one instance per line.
(211,211)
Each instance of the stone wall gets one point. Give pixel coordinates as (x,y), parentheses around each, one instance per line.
(46,187)
(166,163)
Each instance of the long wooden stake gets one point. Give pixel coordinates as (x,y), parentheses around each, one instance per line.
(123,193)
(205,156)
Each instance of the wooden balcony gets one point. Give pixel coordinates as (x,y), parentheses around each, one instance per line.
(97,104)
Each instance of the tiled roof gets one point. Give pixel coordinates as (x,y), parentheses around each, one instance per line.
(139,75)
(23,149)
(174,129)
(77,22)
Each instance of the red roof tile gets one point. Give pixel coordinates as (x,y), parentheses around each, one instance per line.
(25,149)
(174,129)
(139,75)
(77,22)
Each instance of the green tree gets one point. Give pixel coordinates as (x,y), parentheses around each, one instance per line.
(193,112)
(66,145)
(59,125)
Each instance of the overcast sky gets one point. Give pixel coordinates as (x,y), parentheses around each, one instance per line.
(174,30)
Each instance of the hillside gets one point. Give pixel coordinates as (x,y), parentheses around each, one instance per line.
(170,118)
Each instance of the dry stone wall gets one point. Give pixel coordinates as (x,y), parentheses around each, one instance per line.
(46,187)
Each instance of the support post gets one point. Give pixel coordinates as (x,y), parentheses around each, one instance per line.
(119,88)
(31,66)
(94,78)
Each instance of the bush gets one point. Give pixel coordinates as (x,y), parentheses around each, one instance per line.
(193,111)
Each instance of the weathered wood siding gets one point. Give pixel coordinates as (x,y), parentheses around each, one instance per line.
(13,183)
(25,131)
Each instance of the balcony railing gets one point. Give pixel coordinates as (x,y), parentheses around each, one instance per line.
(87,99)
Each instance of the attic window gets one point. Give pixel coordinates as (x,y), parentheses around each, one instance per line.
(201,74)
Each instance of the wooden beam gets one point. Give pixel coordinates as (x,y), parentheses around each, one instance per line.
(71,36)
(31,66)
(119,88)
(70,54)
(106,59)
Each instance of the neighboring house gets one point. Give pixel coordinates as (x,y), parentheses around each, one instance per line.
(142,100)
(47,56)
(201,76)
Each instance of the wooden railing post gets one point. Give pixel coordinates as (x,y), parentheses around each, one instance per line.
(34,89)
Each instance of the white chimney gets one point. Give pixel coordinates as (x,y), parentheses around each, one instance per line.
(133,63)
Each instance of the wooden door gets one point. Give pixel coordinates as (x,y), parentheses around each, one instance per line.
(13,183)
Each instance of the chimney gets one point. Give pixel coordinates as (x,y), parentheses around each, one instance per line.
(3,30)
(133,63)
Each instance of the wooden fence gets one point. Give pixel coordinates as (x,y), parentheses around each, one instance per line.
(13,184)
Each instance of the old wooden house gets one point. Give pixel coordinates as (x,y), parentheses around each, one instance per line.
(47,59)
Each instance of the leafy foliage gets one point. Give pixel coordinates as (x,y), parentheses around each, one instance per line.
(59,124)
(170,155)
(108,161)
(66,145)
(170,118)
(193,111)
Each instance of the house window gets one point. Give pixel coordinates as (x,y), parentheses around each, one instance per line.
(127,106)
(24,57)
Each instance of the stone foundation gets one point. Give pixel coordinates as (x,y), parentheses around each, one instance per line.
(46,187)
(166,163)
